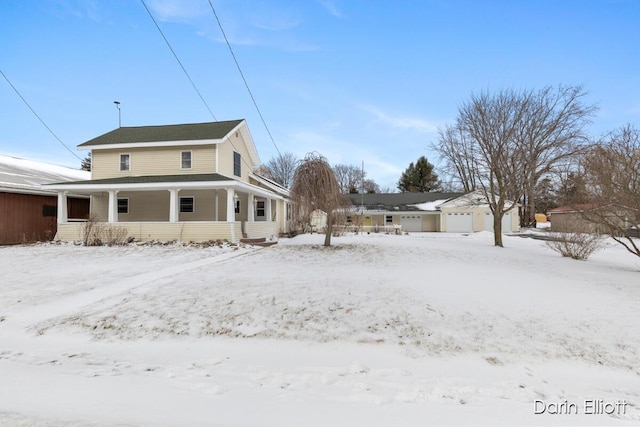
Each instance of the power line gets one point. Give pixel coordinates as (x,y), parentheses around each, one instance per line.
(243,79)
(178,59)
(36,114)
(192,83)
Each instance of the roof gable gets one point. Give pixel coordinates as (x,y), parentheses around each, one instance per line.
(209,131)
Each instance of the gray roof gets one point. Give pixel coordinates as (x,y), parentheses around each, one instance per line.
(154,179)
(398,201)
(183,132)
(28,176)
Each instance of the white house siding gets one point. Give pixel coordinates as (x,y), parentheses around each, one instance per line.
(225,159)
(156,161)
(261,229)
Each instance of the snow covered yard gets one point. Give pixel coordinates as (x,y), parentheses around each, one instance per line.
(426,329)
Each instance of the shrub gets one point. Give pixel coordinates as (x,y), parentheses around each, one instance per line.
(575,245)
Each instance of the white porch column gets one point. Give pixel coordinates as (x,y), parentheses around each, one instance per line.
(216,205)
(63,216)
(267,209)
(174,205)
(250,208)
(113,206)
(231,205)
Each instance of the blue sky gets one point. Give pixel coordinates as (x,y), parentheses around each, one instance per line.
(355,80)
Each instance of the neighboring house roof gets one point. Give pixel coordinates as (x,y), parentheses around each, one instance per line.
(28,176)
(164,133)
(584,207)
(401,201)
(475,198)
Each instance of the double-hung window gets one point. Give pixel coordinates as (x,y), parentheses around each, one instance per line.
(125,162)
(187,205)
(260,208)
(123,206)
(237,170)
(185,160)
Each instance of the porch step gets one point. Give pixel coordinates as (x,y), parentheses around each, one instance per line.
(257,242)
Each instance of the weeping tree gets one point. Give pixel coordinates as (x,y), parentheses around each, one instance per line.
(315,187)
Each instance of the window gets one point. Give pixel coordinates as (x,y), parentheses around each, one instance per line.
(49,210)
(349,219)
(185,160)
(123,206)
(125,162)
(187,205)
(388,219)
(260,208)
(237,171)
(237,206)
(288,212)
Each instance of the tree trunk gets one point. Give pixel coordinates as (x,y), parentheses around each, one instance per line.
(329,232)
(497,228)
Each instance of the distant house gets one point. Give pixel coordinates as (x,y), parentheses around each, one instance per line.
(186,182)
(591,217)
(429,212)
(28,210)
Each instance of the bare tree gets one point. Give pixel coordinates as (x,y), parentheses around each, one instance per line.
(488,125)
(370,186)
(545,126)
(613,180)
(551,130)
(315,187)
(454,151)
(349,178)
(280,169)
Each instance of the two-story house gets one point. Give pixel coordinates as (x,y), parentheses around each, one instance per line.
(187,182)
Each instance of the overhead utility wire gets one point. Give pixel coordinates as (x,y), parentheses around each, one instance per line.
(243,79)
(178,59)
(187,74)
(36,114)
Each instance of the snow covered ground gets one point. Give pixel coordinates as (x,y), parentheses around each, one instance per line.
(377,330)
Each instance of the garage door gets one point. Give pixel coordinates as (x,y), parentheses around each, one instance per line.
(459,222)
(411,222)
(506,222)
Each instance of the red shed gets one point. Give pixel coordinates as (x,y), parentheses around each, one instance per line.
(28,212)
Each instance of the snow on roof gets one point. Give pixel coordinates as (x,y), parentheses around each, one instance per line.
(429,206)
(21,175)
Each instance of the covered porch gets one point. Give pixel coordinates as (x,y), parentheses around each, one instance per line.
(167,210)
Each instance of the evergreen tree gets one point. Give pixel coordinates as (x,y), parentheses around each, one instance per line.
(85,165)
(419,178)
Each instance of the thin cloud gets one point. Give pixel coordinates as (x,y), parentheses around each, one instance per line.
(181,11)
(401,122)
(331,8)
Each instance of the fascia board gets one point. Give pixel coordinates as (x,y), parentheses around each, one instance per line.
(152,144)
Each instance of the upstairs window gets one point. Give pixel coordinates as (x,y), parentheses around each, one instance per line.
(187,205)
(125,162)
(237,171)
(185,160)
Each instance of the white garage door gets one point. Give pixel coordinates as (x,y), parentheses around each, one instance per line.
(506,222)
(411,222)
(459,222)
